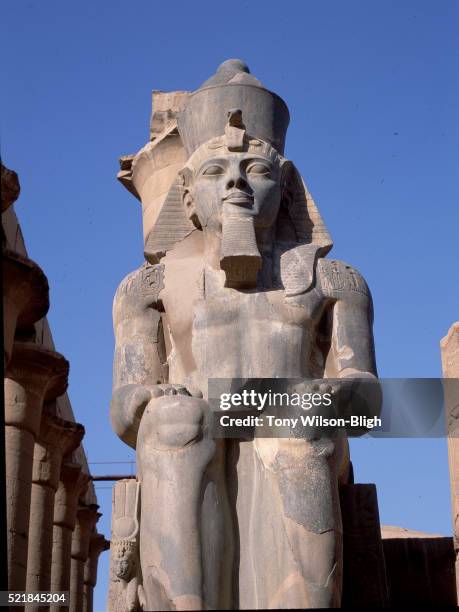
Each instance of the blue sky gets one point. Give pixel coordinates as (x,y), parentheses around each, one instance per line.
(373,95)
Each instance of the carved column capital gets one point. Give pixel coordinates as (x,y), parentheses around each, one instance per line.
(57,438)
(87,517)
(97,545)
(43,374)
(72,484)
(25,296)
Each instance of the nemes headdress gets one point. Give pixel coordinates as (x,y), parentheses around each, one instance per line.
(233,111)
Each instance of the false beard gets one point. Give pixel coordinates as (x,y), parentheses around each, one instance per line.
(240,258)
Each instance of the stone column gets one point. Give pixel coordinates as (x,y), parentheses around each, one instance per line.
(34,374)
(97,544)
(56,439)
(364,572)
(25,297)
(72,484)
(450,362)
(87,517)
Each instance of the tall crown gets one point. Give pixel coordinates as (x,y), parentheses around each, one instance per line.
(205,115)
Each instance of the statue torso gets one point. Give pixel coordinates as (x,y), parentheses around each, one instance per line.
(218,332)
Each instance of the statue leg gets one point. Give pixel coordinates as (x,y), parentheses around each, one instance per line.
(300,478)
(185,534)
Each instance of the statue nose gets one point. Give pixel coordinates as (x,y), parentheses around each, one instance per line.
(236,182)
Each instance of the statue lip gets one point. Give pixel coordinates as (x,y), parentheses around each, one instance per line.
(238,197)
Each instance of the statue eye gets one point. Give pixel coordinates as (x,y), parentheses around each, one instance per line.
(259,169)
(213,170)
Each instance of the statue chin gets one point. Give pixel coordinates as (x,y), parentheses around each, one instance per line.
(240,258)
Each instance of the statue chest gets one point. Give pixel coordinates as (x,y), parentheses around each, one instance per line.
(217,332)
(253,334)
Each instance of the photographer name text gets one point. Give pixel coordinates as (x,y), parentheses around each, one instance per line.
(269,420)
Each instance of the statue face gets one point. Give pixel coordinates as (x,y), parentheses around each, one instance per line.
(236,184)
(122,568)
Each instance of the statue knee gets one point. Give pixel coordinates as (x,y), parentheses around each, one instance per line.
(172,421)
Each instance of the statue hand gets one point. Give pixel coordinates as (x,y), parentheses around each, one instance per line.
(335,394)
(126,410)
(364,397)
(355,393)
(173,389)
(129,402)
(173,420)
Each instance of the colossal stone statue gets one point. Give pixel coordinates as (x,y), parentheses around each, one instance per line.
(235,285)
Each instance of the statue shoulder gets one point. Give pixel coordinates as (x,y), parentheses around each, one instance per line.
(142,287)
(339,280)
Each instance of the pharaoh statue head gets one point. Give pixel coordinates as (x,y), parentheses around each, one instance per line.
(236,184)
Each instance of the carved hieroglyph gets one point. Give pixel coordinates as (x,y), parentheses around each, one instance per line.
(235,285)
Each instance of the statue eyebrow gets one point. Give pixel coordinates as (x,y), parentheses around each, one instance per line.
(213,162)
(258,160)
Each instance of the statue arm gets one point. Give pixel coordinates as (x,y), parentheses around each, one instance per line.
(352,346)
(352,354)
(140,362)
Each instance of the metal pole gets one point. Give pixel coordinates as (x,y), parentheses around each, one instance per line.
(114,477)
